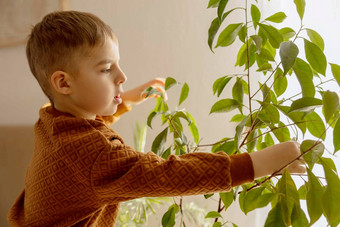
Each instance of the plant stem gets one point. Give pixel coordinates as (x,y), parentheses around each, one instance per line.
(181,209)
(219,208)
(292,124)
(248,62)
(297,158)
(213,144)
(279,170)
(323,82)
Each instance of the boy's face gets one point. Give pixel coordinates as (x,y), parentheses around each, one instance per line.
(97,85)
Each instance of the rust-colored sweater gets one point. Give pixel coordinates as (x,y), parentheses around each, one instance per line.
(81,170)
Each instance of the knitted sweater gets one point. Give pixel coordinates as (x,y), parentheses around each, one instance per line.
(81,170)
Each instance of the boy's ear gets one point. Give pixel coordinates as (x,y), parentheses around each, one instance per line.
(60,81)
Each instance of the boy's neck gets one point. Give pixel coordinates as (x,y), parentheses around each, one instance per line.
(74,111)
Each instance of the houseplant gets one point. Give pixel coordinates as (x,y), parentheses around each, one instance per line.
(265,115)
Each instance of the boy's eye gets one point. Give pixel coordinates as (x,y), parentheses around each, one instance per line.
(106,70)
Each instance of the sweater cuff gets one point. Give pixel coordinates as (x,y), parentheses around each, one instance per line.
(241,169)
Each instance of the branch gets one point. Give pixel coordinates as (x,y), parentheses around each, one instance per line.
(248,62)
(219,208)
(181,209)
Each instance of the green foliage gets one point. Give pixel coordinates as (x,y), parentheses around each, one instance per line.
(269,55)
(168,219)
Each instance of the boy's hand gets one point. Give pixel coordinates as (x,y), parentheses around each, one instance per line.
(273,158)
(134,96)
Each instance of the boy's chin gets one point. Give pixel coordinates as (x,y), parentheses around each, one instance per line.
(110,112)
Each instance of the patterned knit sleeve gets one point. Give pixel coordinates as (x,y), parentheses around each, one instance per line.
(123,172)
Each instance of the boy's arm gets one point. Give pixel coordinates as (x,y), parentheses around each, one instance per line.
(273,158)
(134,96)
(123,173)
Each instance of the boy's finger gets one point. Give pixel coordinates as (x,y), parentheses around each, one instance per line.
(162,90)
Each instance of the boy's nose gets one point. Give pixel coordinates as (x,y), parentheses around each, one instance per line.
(121,78)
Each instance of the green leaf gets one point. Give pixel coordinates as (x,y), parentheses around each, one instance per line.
(255,14)
(168,219)
(336,133)
(221,8)
(297,117)
(265,94)
(315,38)
(252,140)
(241,55)
(281,132)
(169,82)
(150,118)
(239,130)
(213,214)
(217,224)
(314,151)
(269,114)
(193,128)
(315,125)
(302,192)
(227,198)
(304,74)
(330,102)
(139,137)
(151,91)
(224,105)
(290,195)
(287,33)
(277,17)
(184,93)
(243,33)
(281,83)
(265,67)
(329,162)
(258,41)
(275,217)
(220,84)
(299,218)
(227,147)
(305,104)
(245,86)
(274,36)
(300,7)
(314,197)
(166,153)
(241,198)
(251,199)
(159,141)
(213,3)
(331,196)
(288,53)
(215,26)
(238,91)
(268,139)
(182,114)
(228,35)
(265,199)
(207,196)
(237,118)
(336,72)
(266,55)
(315,57)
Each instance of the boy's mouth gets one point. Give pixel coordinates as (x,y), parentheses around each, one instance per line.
(118,99)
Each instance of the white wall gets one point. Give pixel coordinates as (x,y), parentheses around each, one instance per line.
(157,39)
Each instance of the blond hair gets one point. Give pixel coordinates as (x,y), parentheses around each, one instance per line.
(54,41)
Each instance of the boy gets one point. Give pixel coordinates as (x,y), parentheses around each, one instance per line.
(81,169)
